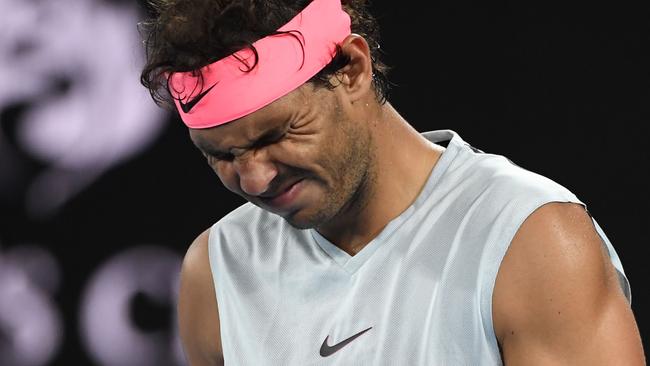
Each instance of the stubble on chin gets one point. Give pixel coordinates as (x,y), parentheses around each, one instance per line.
(353,193)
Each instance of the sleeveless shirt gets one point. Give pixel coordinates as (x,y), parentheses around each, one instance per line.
(419,293)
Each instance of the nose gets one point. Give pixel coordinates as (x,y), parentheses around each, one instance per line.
(255,172)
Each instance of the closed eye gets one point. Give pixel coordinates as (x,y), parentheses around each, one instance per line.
(224,156)
(270,139)
(211,157)
(265,140)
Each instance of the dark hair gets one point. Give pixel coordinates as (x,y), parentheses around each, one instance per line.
(185,35)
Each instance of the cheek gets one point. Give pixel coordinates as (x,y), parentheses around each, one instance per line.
(305,152)
(226,175)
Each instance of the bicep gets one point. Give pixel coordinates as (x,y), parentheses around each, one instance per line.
(197,308)
(557,300)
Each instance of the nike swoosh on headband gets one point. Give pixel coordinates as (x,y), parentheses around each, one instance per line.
(326,350)
(188,107)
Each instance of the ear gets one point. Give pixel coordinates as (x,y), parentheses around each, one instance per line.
(356,77)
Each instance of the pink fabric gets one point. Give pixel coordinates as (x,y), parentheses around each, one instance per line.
(282,67)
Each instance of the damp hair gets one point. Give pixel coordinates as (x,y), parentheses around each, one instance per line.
(186,35)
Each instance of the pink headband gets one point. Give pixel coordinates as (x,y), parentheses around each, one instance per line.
(230,92)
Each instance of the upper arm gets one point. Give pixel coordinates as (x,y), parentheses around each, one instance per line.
(557,299)
(198,314)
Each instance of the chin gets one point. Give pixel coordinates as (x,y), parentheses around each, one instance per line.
(300,224)
(302,221)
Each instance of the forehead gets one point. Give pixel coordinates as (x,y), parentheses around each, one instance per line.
(251,127)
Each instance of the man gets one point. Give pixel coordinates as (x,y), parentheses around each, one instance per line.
(365,242)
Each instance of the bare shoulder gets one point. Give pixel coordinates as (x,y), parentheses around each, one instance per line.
(557,299)
(197,307)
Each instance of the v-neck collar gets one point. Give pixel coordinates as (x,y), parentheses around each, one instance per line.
(352,263)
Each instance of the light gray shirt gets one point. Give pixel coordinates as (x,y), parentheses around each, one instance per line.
(420,293)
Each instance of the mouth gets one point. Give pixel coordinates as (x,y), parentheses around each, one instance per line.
(284,197)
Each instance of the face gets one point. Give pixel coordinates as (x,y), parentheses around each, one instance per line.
(304,157)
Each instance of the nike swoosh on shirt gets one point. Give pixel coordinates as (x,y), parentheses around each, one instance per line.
(188,107)
(326,350)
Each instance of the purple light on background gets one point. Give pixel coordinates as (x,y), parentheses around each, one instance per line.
(38,264)
(75,63)
(106,328)
(30,324)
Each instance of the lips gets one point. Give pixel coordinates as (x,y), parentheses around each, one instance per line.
(285,196)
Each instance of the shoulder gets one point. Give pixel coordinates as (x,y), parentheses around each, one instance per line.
(500,178)
(557,291)
(196,260)
(246,218)
(197,306)
(241,215)
(514,181)
(501,194)
(239,236)
(556,246)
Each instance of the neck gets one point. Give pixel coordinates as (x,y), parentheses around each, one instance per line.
(403,160)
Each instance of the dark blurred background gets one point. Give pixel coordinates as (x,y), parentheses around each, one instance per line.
(101,192)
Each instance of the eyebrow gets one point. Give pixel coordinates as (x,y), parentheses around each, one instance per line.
(210,149)
(207,148)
